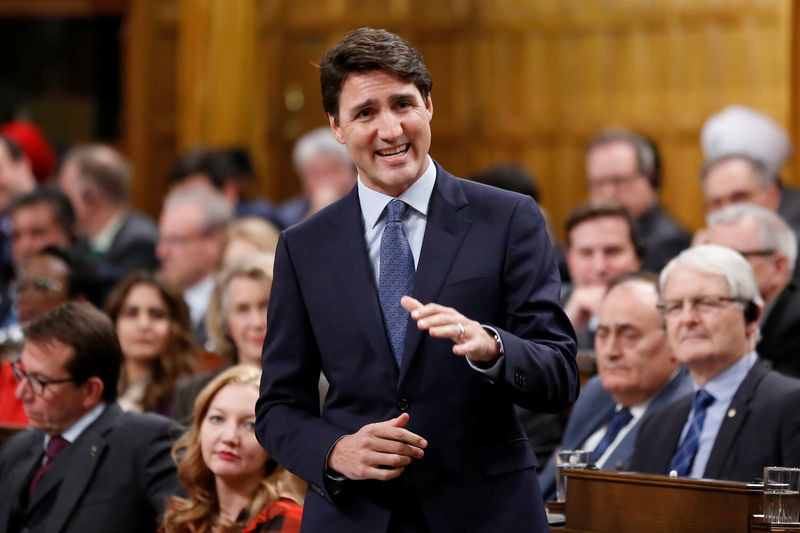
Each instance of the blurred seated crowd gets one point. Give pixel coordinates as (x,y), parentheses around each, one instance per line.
(131,348)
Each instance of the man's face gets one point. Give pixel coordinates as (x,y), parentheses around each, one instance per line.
(601,249)
(32,228)
(187,252)
(69,183)
(634,359)
(12,176)
(769,266)
(327,171)
(42,285)
(61,404)
(385,124)
(734,181)
(705,337)
(612,173)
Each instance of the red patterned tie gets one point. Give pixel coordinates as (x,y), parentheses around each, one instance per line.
(56,445)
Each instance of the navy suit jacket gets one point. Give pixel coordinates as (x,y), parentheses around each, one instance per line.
(762,428)
(780,342)
(593,410)
(485,253)
(115,477)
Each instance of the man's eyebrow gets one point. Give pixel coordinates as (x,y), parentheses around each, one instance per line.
(361,105)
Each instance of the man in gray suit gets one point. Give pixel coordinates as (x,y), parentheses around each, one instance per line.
(86,466)
(96,178)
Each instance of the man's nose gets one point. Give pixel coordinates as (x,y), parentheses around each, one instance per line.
(389,127)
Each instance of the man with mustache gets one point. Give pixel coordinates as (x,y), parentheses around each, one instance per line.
(637,375)
(742,416)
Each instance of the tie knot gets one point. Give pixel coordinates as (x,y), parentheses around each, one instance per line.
(702,399)
(56,446)
(623,416)
(395,210)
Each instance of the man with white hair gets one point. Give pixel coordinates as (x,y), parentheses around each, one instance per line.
(326,173)
(770,246)
(744,153)
(741,415)
(191,227)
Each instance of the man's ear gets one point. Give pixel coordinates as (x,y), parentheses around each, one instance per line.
(93,388)
(337,130)
(429,107)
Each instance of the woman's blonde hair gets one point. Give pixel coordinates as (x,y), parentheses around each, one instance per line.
(198,512)
(257,231)
(256,266)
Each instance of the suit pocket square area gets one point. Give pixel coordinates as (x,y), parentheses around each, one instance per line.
(510,456)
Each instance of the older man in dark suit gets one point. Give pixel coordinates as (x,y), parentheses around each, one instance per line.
(637,375)
(96,178)
(419,423)
(86,466)
(742,416)
(770,246)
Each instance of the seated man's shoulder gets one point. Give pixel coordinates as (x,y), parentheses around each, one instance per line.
(143,425)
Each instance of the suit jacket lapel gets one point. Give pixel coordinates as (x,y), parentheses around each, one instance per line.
(20,477)
(445,230)
(72,475)
(736,415)
(355,273)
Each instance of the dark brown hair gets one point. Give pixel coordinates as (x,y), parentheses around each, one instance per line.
(180,353)
(367,49)
(604,208)
(90,334)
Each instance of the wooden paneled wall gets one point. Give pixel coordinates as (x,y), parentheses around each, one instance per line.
(514,80)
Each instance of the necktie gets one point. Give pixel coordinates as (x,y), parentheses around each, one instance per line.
(684,455)
(618,421)
(56,445)
(396,276)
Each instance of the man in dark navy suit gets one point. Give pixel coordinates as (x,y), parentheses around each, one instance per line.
(418,431)
(637,375)
(742,416)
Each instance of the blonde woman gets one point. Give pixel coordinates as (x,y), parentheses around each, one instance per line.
(233,484)
(236,323)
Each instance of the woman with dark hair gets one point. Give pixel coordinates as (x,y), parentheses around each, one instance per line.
(233,485)
(158,348)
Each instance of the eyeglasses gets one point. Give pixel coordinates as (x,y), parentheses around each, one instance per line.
(39,284)
(757,253)
(37,384)
(703,305)
(613,181)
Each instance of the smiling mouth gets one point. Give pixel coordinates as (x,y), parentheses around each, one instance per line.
(388,152)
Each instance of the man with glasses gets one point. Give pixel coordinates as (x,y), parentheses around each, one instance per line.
(86,466)
(190,235)
(770,246)
(742,416)
(637,375)
(625,166)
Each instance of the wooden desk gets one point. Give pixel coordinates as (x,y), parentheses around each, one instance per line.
(616,502)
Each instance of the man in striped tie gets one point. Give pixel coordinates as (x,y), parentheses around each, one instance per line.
(741,416)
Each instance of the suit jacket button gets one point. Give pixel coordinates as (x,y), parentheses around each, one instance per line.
(402,404)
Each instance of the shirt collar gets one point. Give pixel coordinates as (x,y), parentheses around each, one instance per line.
(726,383)
(78,427)
(417,196)
(103,240)
(197,297)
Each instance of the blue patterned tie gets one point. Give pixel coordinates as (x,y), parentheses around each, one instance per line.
(396,275)
(618,421)
(684,456)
